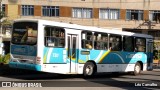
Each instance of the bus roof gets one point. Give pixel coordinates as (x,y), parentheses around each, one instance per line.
(88,28)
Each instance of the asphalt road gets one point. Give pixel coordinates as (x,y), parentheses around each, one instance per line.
(22,78)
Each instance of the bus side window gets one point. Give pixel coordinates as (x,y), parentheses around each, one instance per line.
(115,42)
(128,44)
(51,42)
(54,37)
(110,46)
(100,41)
(87,40)
(140,45)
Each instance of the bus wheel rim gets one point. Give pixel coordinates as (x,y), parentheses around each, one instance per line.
(89,70)
(137,69)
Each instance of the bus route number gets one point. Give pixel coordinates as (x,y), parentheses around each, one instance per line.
(55,55)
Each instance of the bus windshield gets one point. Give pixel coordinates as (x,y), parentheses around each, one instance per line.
(24,33)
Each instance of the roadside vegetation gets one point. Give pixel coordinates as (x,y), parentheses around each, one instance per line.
(4,59)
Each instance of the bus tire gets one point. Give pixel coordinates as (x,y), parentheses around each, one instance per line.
(89,69)
(137,69)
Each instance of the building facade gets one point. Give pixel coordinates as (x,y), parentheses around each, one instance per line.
(141,16)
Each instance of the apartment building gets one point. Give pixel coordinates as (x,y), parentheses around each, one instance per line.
(141,16)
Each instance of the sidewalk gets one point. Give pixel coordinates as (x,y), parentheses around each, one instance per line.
(156,68)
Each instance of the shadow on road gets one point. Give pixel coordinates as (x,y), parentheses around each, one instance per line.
(156,70)
(130,83)
(5,71)
(99,80)
(136,82)
(35,75)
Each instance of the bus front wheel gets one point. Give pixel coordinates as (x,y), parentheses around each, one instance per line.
(89,69)
(137,69)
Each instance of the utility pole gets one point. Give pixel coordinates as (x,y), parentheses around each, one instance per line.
(1,38)
(1,16)
(1,35)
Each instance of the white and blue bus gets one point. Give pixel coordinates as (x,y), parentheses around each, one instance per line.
(65,48)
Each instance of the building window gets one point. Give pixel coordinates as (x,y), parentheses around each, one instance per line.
(82,12)
(154,16)
(134,15)
(3,8)
(27,10)
(109,14)
(50,11)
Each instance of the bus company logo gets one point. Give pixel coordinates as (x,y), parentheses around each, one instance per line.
(135,56)
(21,84)
(6,84)
(20,50)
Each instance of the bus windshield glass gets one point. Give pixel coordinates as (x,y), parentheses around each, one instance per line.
(24,33)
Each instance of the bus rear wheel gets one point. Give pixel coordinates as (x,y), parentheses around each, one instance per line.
(137,69)
(89,69)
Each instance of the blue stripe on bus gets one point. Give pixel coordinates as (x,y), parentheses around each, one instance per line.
(57,55)
(25,66)
(124,57)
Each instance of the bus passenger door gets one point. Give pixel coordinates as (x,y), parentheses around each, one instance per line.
(149,55)
(72,52)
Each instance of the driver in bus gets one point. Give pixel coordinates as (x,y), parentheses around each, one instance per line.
(89,46)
